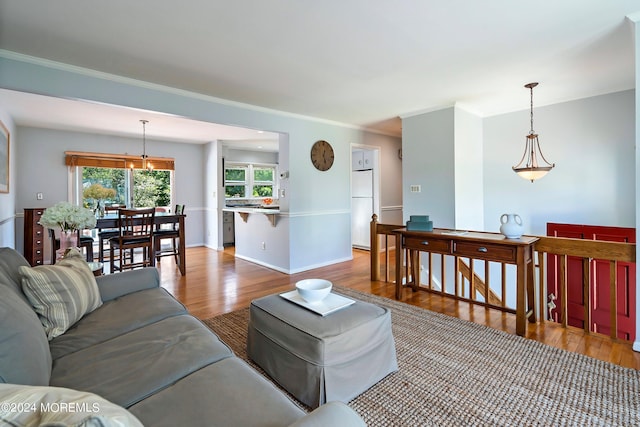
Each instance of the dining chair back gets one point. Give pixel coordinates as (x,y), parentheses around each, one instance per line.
(172,233)
(105,234)
(135,232)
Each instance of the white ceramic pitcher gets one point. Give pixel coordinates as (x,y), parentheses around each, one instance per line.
(511,226)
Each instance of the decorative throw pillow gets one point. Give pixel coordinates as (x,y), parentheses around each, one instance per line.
(59,407)
(62,293)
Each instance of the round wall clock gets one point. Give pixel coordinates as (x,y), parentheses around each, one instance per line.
(322,155)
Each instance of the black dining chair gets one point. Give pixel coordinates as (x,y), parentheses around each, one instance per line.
(135,232)
(172,233)
(105,234)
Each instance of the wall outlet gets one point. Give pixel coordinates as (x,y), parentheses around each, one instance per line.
(263,246)
(415,188)
(39,196)
(282,192)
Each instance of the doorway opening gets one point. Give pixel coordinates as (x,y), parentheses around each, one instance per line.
(365,192)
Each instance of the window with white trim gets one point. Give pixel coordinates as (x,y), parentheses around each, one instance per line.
(248,180)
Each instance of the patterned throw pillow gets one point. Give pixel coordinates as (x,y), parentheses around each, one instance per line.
(62,293)
(60,407)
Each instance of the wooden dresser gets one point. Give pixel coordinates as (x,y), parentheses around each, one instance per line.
(34,235)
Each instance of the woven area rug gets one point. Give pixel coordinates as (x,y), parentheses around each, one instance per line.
(456,373)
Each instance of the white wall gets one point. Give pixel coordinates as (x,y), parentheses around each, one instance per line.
(7,200)
(213,194)
(590,140)
(428,161)
(469,182)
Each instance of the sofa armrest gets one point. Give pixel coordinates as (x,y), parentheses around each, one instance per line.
(112,286)
(331,414)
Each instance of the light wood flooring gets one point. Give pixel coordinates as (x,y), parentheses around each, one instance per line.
(216,282)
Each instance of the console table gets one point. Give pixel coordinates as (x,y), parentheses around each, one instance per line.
(474,245)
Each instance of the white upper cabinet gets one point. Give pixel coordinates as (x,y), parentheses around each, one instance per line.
(362,160)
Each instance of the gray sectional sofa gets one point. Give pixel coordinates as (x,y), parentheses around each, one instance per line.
(142,351)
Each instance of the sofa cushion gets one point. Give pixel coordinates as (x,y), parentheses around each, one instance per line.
(10,262)
(24,349)
(116,317)
(61,294)
(228,392)
(59,407)
(133,366)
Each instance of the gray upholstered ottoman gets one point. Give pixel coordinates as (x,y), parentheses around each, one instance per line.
(320,359)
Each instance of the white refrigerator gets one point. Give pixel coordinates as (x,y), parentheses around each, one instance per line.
(361,207)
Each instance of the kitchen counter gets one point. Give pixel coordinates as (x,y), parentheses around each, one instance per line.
(244,212)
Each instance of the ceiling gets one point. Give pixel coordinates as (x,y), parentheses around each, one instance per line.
(360,62)
(74,115)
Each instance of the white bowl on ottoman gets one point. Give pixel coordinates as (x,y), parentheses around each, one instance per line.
(313,290)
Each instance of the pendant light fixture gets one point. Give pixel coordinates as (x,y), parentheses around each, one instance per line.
(145,164)
(530,166)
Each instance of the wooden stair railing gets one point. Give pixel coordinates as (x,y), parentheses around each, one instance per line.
(613,252)
(588,250)
(377,230)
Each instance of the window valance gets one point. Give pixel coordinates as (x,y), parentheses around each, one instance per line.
(122,161)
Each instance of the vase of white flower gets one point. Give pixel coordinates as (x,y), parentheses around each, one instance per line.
(69,218)
(68,240)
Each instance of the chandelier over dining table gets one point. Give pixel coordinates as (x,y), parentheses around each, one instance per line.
(145,163)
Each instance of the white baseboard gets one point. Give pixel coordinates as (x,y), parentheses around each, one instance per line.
(294,271)
(636,346)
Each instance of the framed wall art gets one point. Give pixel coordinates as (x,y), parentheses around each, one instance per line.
(4,158)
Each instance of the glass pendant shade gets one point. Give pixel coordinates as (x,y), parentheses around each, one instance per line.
(532,165)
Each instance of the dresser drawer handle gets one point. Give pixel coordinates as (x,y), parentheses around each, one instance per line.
(482,249)
(425,243)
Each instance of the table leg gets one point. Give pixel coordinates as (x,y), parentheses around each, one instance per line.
(521,283)
(531,306)
(182,258)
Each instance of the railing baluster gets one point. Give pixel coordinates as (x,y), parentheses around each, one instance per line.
(472,282)
(542,288)
(374,248)
(613,298)
(430,270)
(563,290)
(456,269)
(586,294)
(443,274)
(487,285)
(504,284)
(386,258)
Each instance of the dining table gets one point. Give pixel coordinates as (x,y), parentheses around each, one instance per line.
(110,220)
